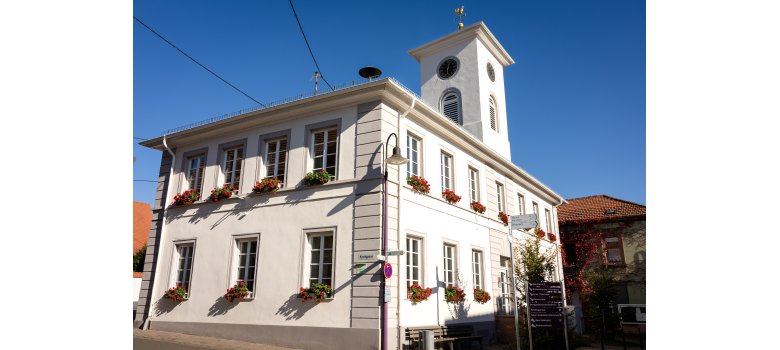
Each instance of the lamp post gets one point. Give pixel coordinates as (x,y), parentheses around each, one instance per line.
(395,159)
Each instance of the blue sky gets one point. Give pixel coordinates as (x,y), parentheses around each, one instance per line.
(575,95)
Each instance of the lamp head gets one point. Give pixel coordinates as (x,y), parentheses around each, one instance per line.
(397,158)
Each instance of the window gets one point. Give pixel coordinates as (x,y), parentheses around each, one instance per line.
(324,150)
(492,105)
(450,106)
(570,251)
(500,197)
(184,264)
(536,209)
(613,248)
(413,155)
(473,185)
(548,220)
(446,171)
(276,158)
(231,165)
(476,268)
(320,258)
(521,203)
(449,265)
(504,300)
(247,261)
(413,261)
(196,167)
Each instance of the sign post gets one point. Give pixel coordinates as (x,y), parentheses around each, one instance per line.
(545,307)
(518,222)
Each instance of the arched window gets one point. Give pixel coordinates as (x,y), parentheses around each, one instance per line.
(493,117)
(450,106)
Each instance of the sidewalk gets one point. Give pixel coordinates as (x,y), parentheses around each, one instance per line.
(149,339)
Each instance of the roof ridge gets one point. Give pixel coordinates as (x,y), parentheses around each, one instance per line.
(607,196)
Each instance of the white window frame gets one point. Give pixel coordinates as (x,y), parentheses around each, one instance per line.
(325,154)
(521,203)
(450,276)
(273,169)
(196,184)
(176,261)
(500,197)
(477,263)
(410,252)
(414,155)
(535,207)
(321,263)
(235,168)
(548,220)
(473,184)
(446,171)
(504,302)
(238,261)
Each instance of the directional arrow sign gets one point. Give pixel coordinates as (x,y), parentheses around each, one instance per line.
(395,252)
(524,221)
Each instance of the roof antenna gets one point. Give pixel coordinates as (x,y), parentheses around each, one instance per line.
(370,73)
(316,80)
(460,12)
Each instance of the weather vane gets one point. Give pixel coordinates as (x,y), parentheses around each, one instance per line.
(460,13)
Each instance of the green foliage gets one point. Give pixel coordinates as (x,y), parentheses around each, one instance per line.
(533,265)
(316,178)
(598,298)
(138,259)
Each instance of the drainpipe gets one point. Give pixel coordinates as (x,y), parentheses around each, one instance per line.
(148,320)
(398,225)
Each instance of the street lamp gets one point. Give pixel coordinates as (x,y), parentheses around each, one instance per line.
(395,159)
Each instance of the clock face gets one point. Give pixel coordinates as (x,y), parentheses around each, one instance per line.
(491,72)
(448,68)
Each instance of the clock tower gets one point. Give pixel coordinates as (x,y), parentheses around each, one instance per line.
(462,76)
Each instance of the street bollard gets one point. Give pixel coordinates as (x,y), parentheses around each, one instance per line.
(427,337)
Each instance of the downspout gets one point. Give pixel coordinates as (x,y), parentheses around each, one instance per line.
(148,320)
(398,230)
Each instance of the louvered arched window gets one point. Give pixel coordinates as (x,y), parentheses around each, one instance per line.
(450,106)
(493,117)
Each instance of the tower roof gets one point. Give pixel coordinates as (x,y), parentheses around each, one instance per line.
(477,30)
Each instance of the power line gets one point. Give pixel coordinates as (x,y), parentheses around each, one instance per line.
(198,63)
(309,46)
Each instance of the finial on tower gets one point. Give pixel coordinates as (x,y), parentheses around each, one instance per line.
(460,13)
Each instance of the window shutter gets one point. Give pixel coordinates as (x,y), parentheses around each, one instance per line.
(451,107)
(492,114)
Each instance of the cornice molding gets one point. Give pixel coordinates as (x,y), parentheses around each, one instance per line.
(477,30)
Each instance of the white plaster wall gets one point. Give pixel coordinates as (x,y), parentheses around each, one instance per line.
(136,290)
(299,161)
(280,219)
(474,85)
(436,221)
(281,222)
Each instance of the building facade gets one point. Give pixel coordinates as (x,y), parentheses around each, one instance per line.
(454,135)
(619,228)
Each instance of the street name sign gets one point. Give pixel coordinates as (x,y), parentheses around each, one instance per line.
(521,222)
(366,257)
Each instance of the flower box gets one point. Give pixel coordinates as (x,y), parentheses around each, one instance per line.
(267,184)
(317,291)
(186,198)
(318,177)
(450,196)
(417,294)
(503,217)
(481,296)
(225,192)
(478,207)
(454,294)
(178,293)
(238,291)
(539,233)
(419,184)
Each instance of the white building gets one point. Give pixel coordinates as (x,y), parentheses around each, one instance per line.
(455,136)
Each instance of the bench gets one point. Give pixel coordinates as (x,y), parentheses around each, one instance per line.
(449,335)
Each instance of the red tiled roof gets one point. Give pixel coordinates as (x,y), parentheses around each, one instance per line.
(598,207)
(142,222)
(138,274)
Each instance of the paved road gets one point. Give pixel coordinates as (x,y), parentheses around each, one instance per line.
(156,340)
